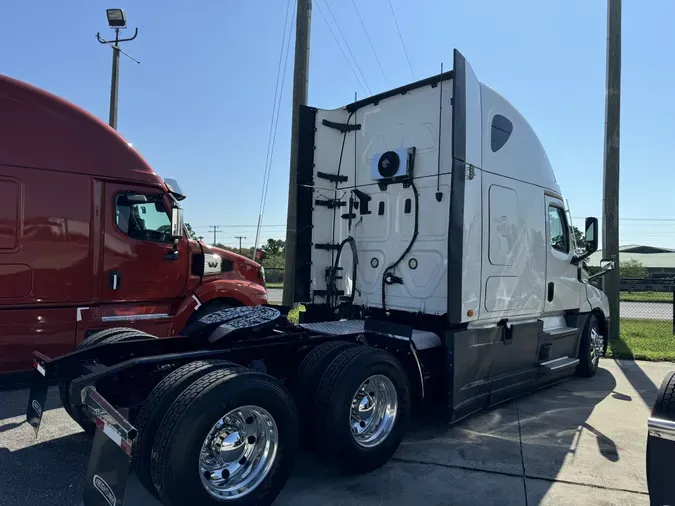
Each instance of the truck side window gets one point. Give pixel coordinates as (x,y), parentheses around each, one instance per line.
(147,221)
(558,230)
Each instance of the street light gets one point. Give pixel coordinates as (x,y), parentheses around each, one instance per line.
(116,18)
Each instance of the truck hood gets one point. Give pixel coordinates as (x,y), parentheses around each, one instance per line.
(230,255)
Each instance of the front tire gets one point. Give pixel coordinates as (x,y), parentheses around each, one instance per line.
(231,436)
(361,409)
(592,342)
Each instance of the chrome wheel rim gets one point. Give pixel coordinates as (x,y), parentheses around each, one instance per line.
(373,411)
(238,452)
(597,345)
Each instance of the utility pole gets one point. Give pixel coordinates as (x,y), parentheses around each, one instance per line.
(610,199)
(216,229)
(300,86)
(240,237)
(117,21)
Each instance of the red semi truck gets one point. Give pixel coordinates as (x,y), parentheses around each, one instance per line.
(91,237)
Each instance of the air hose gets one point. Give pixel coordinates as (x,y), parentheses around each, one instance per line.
(390,278)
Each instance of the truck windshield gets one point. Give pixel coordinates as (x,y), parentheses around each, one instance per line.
(146,221)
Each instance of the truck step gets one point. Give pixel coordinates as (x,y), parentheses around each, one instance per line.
(561,331)
(558,364)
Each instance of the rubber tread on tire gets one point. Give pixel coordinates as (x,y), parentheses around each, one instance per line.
(308,376)
(155,406)
(189,419)
(585,368)
(332,437)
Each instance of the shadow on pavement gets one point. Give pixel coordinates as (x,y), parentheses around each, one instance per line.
(637,377)
(50,472)
(14,402)
(533,436)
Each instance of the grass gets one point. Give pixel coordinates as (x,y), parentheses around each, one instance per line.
(646,296)
(644,340)
(279,285)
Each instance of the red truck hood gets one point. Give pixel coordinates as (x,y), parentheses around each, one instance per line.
(230,255)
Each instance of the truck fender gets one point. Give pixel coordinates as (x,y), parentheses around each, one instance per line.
(232,291)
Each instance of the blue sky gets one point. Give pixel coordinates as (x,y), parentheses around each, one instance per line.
(199,105)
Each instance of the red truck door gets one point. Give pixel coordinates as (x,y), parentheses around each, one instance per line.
(140,263)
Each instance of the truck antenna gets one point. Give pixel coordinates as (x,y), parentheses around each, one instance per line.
(439,193)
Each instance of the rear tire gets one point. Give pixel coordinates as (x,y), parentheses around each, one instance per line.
(102,337)
(154,408)
(307,378)
(360,383)
(589,351)
(177,455)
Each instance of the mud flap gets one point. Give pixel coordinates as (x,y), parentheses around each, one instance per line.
(107,473)
(37,399)
(108,470)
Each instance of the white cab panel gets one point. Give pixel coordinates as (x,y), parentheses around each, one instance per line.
(382,235)
(514,248)
(563,289)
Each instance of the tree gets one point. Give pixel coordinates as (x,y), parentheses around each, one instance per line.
(579,237)
(274,247)
(191,233)
(632,269)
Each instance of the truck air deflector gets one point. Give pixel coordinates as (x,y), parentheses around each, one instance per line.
(466,159)
(456,228)
(305,198)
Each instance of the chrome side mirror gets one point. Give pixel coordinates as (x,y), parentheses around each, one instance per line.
(177,225)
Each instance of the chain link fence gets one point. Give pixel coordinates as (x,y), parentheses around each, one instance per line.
(646,311)
(274,277)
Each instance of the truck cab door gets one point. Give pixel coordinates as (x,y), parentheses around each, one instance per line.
(563,289)
(140,260)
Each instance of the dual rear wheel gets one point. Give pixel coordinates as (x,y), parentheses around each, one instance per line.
(213,432)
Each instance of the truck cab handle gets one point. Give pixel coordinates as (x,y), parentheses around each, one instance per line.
(172,255)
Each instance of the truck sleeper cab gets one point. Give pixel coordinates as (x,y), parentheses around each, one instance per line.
(436,266)
(435,205)
(86,239)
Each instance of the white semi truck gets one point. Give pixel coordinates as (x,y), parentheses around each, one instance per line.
(437,267)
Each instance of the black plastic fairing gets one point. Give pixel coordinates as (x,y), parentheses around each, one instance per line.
(305,198)
(457,189)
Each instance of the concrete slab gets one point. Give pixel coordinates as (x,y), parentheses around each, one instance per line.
(543,493)
(401,483)
(487,441)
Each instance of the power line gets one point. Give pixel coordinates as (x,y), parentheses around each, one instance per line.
(216,229)
(401,37)
(370,42)
(238,226)
(240,237)
(363,85)
(344,39)
(634,219)
(276,107)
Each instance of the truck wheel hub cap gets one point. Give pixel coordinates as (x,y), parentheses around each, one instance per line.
(597,345)
(373,411)
(238,452)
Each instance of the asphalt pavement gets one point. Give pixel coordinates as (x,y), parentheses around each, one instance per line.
(580,442)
